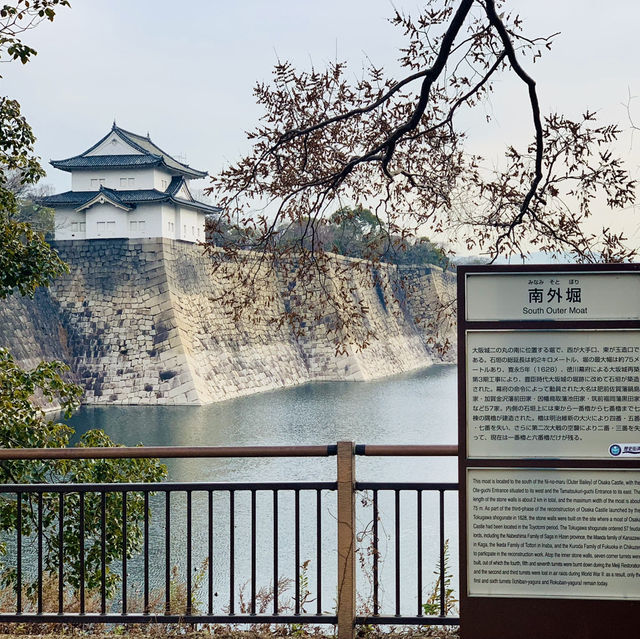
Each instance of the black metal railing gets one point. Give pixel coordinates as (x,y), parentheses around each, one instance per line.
(439,604)
(409,606)
(158,500)
(255,552)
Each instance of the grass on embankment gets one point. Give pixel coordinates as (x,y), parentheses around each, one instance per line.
(157,631)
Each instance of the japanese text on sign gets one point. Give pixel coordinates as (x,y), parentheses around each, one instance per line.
(556,296)
(552,393)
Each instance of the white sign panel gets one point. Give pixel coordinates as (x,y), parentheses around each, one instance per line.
(553,533)
(553,394)
(552,296)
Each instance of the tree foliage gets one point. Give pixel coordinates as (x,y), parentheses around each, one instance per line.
(26,262)
(19,16)
(24,425)
(357,232)
(29,209)
(352,232)
(394,145)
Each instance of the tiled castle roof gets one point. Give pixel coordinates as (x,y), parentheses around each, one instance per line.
(150,155)
(77,199)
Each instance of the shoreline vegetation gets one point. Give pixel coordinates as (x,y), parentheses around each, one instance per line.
(180,597)
(301,631)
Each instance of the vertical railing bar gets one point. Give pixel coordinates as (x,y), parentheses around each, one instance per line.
(82,567)
(376,554)
(232,549)
(346,538)
(253,552)
(124,552)
(60,553)
(19,553)
(210,575)
(167,552)
(103,552)
(145,609)
(188,602)
(275,551)
(442,566)
(318,552)
(397,533)
(419,558)
(39,553)
(297,549)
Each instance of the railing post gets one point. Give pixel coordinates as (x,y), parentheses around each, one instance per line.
(346,474)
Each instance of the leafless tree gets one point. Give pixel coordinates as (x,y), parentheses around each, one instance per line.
(393,144)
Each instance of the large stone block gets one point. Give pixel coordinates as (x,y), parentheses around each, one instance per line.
(132,311)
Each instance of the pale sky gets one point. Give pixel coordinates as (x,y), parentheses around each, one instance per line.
(184,71)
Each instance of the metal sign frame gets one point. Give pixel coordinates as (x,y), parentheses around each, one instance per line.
(529,617)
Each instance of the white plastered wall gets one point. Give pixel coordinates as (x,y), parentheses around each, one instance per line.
(145,221)
(169,221)
(161,179)
(113,179)
(106,221)
(189,224)
(68,224)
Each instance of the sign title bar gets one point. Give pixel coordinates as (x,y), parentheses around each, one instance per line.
(552,296)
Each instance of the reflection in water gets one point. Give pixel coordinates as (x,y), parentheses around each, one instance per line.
(418,408)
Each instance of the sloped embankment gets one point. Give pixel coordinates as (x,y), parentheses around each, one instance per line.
(138,323)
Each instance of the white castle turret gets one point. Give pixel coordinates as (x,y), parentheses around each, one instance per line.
(125,186)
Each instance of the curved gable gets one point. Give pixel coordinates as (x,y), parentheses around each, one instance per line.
(113,144)
(104,197)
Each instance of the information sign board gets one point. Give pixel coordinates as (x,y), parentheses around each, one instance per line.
(549,432)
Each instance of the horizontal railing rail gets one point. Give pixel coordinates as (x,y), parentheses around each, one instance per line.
(167,452)
(406,450)
(179,452)
(166,487)
(275,533)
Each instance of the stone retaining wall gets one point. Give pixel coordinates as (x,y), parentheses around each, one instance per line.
(137,322)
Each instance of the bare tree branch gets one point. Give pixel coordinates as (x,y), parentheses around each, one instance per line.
(326,142)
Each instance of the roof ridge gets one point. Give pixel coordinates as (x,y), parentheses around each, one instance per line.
(163,153)
(111,192)
(144,145)
(125,131)
(134,144)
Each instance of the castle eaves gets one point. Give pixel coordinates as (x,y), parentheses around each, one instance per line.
(77,199)
(149,154)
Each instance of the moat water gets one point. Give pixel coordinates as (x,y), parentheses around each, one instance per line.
(417,408)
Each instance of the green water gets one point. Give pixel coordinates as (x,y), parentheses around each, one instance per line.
(418,408)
